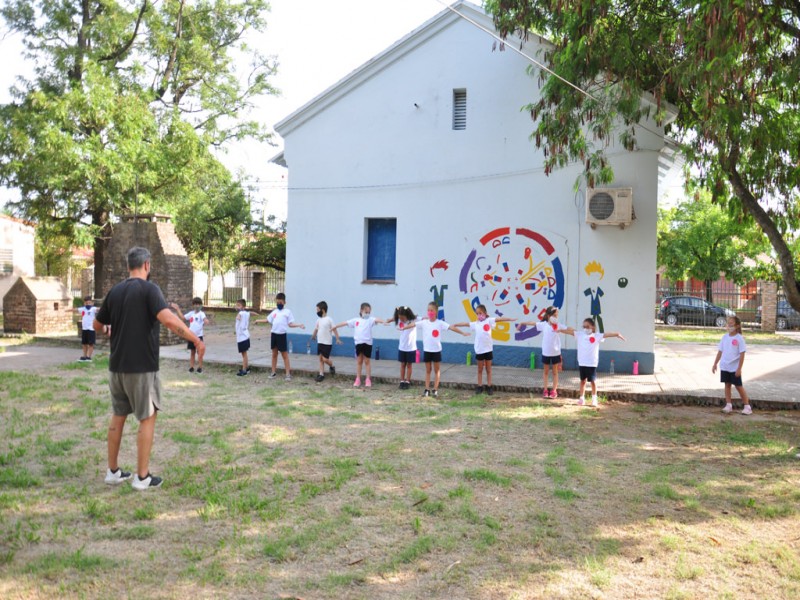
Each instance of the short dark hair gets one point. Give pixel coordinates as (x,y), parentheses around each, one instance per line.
(242,301)
(197,300)
(137,256)
(88,298)
(323,305)
(280,296)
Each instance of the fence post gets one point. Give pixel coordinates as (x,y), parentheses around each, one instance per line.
(769,305)
(258,290)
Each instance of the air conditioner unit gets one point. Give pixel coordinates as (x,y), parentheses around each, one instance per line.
(609,206)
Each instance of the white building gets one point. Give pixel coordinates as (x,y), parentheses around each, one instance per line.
(414,179)
(16,252)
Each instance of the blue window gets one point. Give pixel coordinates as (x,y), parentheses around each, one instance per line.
(381,249)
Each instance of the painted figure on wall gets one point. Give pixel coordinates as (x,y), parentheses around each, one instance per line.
(594,271)
(514,272)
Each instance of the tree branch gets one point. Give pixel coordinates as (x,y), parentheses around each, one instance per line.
(125,47)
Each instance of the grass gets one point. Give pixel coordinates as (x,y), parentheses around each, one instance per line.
(294,490)
(712,336)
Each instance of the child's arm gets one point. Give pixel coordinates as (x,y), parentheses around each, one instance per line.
(457,330)
(174,306)
(300,325)
(741,364)
(338,339)
(314,334)
(464,324)
(504,319)
(609,334)
(716,361)
(342,324)
(383,321)
(569,331)
(528,323)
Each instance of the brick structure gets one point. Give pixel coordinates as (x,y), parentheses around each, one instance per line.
(769,306)
(171,268)
(38,305)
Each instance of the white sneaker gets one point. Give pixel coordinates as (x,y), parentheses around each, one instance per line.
(747,410)
(115,478)
(288,378)
(594,401)
(151,481)
(728,408)
(582,401)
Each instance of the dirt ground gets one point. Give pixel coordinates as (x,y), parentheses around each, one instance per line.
(279,489)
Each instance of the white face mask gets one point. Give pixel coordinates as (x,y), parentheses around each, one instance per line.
(554,320)
(731,330)
(365,315)
(587,330)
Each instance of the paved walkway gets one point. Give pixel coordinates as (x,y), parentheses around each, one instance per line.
(683,371)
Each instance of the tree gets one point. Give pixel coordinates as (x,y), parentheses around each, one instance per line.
(730,68)
(266,247)
(126,100)
(699,239)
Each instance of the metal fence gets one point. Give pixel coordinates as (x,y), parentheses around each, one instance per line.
(692,306)
(227,288)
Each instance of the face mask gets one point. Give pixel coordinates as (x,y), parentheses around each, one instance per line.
(431,314)
(731,330)
(481,317)
(319,314)
(587,330)
(196,309)
(279,305)
(87,306)
(553,320)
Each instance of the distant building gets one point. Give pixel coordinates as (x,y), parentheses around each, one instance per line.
(16,252)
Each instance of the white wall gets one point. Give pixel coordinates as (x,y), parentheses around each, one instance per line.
(19,238)
(373,154)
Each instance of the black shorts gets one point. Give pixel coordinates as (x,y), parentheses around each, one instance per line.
(551,360)
(407,356)
(730,377)
(190,345)
(484,356)
(364,350)
(278,341)
(88,337)
(588,373)
(324,350)
(433,356)
(244,345)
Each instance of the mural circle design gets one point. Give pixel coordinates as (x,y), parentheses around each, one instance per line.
(514,273)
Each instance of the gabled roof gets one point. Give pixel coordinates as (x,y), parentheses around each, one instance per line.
(378,63)
(43,288)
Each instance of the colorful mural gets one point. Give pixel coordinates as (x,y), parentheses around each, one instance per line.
(595,272)
(439,264)
(438,298)
(514,273)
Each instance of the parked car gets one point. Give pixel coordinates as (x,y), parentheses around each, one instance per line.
(786,316)
(692,311)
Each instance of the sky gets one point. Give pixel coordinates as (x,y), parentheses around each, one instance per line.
(316,42)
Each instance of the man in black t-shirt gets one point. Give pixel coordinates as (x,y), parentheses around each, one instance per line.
(134,310)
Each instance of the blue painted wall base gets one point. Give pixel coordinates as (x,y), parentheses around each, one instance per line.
(504,356)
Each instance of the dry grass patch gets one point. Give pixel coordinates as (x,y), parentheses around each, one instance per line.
(276,489)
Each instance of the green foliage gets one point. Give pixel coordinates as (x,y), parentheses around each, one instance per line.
(126,101)
(700,239)
(721,77)
(266,248)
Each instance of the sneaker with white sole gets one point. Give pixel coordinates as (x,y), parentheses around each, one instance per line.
(357,382)
(149,482)
(546,393)
(273,375)
(319,378)
(554,394)
(426,393)
(728,408)
(368,382)
(582,401)
(288,378)
(747,410)
(594,401)
(116,477)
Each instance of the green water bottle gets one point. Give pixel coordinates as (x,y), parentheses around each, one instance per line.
(469,358)
(533,361)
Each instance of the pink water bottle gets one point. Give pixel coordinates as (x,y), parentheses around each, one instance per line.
(417,354)
(635,367)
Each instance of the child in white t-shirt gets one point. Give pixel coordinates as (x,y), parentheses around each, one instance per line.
(588,341)
(242,325)
(196,319)
(551,346)
(730,358)
(362,336)
(404,320)
(281,319)
(432,329)
(88,335)
(323,333)
(483,345)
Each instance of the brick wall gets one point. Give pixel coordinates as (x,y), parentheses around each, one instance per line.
(170,267)
(23,313)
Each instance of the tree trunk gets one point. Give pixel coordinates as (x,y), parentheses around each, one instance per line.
(751,205)
(709,290)
(100,245)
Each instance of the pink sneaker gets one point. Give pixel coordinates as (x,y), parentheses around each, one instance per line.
(582,401)
(368,382)
(554,394)
(546,393)
(357,382)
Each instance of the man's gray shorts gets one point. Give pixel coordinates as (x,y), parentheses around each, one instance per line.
(137,393)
